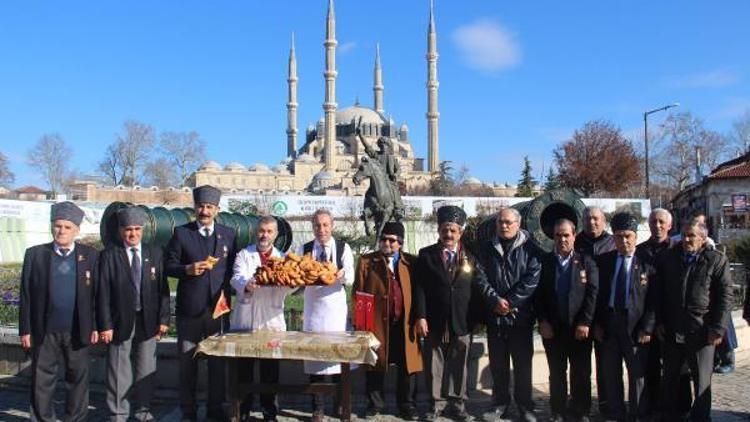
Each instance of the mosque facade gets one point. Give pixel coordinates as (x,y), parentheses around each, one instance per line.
(324,160)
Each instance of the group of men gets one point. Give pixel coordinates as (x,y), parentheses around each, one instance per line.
(660,307)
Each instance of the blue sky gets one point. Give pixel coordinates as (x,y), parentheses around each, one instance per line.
(516,78)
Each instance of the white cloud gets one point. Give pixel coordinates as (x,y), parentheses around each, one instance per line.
(346,47)
(487,46)
(712,79)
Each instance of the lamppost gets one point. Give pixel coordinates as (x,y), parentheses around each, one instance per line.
(645,140)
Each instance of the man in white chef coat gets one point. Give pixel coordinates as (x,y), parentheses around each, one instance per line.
(325,306)
(259,308)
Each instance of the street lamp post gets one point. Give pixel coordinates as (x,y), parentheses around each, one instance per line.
(645,140)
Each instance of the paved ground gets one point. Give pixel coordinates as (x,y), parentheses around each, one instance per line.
(731,402)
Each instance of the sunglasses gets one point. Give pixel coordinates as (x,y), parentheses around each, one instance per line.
(388,239)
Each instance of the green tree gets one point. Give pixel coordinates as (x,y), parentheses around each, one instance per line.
(444,182)
(552,181)
(526,183)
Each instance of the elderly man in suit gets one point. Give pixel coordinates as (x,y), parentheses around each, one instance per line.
(625,320)
(133,298)
(200,286)
(57,315)
(446,276)
(387,275)
(565,304)
(694,305)
(259,308)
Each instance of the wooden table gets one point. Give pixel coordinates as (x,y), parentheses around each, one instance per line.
(341,347)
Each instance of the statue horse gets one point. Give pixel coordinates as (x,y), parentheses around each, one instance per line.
(381,201)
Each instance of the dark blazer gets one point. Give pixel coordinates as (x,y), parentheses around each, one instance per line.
(36,289)
(584,286)
(116,293)
(187,246)
(442,299)
(693,297)
(641,297)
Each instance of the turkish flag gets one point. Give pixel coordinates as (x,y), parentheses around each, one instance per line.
(222,307)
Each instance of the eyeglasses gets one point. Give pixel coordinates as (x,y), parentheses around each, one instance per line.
(388,239)
(506,222)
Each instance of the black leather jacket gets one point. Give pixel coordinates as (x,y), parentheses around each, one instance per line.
(513,276)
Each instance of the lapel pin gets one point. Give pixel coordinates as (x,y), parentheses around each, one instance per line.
(88,277)
(81,258)
(644,279)
(153,273)
(582,274)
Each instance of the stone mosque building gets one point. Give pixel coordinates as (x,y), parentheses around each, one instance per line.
(325,160)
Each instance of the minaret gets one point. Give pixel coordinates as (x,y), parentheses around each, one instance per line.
(329,106)
(432,96)
(291,105)
(377,87)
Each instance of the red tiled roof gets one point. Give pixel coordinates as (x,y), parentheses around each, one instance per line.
(737,170)
(30,189)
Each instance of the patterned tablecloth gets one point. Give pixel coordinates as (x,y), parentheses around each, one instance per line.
(347,346)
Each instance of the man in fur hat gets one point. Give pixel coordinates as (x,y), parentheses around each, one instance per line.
(387,274)
(133,300)
(57,315)
(200,285)
(445,276)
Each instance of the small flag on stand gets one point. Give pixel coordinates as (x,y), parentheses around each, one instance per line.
(222,307)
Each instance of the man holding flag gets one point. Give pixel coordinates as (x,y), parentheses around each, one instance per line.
(201,254)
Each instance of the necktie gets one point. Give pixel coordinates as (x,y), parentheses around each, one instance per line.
(323,256)
(448,255)
(64,252)
(206,232)
(135,271)
(620,284)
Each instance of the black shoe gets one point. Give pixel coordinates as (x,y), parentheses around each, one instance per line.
(457,413)
(408,413)
(432,415)
(372,412)
(527,415)
(556,417)
(497,414)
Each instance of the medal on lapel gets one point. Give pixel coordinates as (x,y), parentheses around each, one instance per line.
(582,275)
(465,266)
(644,279)
(153,274)
(87,277)
(81,258)
(226,251)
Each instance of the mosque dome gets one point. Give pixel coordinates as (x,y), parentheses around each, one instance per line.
(306,158)
(260,168)
(235,166)
(369,116)
(210,165)
(473,181)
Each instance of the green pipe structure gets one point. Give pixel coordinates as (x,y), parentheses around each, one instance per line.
(539,215)
(160,223)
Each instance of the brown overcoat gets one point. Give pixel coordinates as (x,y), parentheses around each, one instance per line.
(371,277)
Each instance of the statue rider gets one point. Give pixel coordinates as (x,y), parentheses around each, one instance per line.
(387,160)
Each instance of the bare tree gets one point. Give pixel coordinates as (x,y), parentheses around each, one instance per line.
(739,136)
(6,175)
(184,151)
(598,159)
(683,139)
(159,173)
(50,157)
(127,157)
